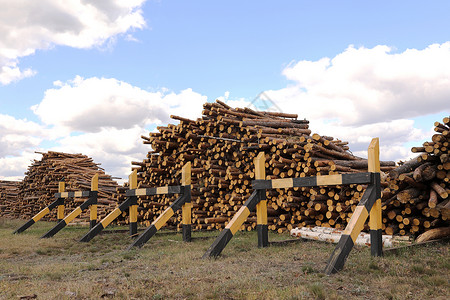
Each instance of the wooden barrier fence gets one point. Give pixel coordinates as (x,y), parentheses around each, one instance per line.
(131,202)
(370,203)
(90,203)
(59,203)
(183,202)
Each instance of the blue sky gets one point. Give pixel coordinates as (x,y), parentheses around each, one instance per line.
(213,48)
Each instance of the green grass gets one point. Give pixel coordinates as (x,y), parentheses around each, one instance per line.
(167,268)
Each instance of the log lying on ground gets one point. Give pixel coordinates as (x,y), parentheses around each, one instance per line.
(433,234)
(332,235)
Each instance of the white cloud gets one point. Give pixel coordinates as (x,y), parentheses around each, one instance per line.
(92,104)
(359,94)
(363,93)
(113,148)
(11,72)
(14,167)
(26,26)
(18,141)
(16,135)
(363,86)
(393,135)
(99,117)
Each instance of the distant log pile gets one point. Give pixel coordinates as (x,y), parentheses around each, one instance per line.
(37,189)
(417,196)
(222,145)
(8,196)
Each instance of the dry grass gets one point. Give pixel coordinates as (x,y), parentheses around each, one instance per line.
(167,268)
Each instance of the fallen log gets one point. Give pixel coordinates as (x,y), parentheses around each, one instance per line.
(433,234)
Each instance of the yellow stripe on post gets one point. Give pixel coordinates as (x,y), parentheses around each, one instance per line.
(73,215)
(374,156)
(238,219)
(40,214)
(162,219)
(133,213)
(64,194)
(94,183)
(260,173)
(186,174)
(78,194)
(140,192)
(60,208)
(329,180)
(162,190)
(93,212)
(60,212)
(111,217)
(132,180)
(356,223)
(282,183)
(61,187)
(260,166)
(375,221)
(261,212)
(186,213)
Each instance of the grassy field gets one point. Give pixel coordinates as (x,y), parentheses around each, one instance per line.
(167,268)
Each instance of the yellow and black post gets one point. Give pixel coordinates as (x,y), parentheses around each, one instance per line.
(375,219)
(109,218)
(92,199)
(93,206)
(186,209)
(185,196)
(230,230)
(356,223)
(57,203)
(60,209)
(132,182)
(261,207)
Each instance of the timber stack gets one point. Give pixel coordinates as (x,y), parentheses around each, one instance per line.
(40,183)
(221,146)
(417,196)
(8,196)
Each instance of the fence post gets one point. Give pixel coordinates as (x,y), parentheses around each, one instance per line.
(261,207)
(186,209)
(93,207)
(375,220)
(60,209)
(132,182)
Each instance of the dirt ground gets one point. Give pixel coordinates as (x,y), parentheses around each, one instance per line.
(167,268)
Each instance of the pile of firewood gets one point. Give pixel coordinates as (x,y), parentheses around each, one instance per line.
(221,147)
(40,183)
(8,196)
(417,195)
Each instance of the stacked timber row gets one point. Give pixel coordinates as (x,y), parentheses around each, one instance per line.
(40,183)
(417,196)
(8,196)
(221,147)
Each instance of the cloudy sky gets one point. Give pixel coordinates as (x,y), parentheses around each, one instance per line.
(92,76)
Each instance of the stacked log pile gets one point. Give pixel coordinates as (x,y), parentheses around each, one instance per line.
(8,196)
(221,147)
(40,183)
(417,196)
